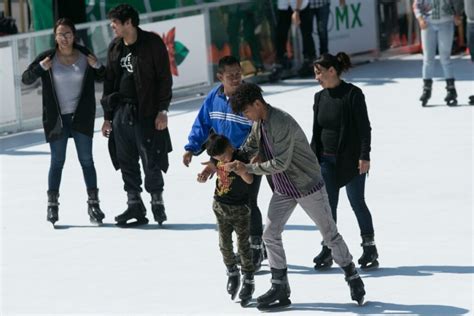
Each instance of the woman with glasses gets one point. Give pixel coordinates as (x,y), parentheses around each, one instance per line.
(67,73)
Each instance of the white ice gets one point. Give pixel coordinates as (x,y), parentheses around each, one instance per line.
(419,192)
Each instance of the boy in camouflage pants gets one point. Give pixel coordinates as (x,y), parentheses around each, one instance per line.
(233,214)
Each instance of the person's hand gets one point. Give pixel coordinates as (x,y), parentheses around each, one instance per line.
(256,159)
(187,157)
(295,18)
(161,121)
(422,22)
(207,173)
(457,20)
(236,166)
(92,60)
(46,63)
(106,128)
(364,166)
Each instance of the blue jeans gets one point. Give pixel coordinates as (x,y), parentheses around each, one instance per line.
(58,156)
(441,36)
(355,192)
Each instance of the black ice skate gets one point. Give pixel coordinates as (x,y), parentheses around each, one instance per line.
(323,260)
(158,208)
(256,247)
(248,287)
(355,284)
(369,257)
(136,210)
(451,96)
(52,210)
(233,283)
(279,294)
(95,213)
(426,95)
(471,100)
(275,74)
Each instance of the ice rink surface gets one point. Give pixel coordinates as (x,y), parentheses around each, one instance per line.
(419,192)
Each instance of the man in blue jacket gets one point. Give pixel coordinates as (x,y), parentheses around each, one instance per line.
(216,116)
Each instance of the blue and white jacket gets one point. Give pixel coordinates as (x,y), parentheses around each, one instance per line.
(216,114)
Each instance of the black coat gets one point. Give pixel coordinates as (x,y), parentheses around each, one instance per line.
(84,116)
(354,136)
(153,82)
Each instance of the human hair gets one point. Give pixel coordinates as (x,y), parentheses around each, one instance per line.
(227,61)
(66,22)
(246,94)
(123,12)
(341,62)
(217,144)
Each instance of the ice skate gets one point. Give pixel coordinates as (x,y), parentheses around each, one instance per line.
(355,284)
(158,208)
(95,213)
(451,96)
(248,287)
(426,95)
(52,210)
(368,260)
(278,296)
(323,260)
(233,282)
(136,210)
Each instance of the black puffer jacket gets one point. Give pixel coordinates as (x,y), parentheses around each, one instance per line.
(84,116)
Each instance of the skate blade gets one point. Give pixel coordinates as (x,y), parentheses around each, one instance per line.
(247,303)
(96,222)
(372,266)
(322,267)
(360,302)
(138,222)
(280,305)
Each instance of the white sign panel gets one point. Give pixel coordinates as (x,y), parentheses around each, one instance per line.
(352,28)
(7,86)
(186,42)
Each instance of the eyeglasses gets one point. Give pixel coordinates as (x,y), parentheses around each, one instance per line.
(67,35)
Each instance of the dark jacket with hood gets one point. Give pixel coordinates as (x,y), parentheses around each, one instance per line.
(354,135)
(84,116)
(153,82)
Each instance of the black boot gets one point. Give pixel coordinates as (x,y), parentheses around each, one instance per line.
(95,213)
(280,291)
(233,282)
(368,260)
(248,287)
(451,96)
(426,95)
(53,210)
(324,259)
(471,100)
(135,209)
(355,283)
(256,247)
(158,207)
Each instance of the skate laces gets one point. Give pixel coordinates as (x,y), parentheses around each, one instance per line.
(368,243)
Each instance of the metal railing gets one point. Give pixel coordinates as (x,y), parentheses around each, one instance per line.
(26,46)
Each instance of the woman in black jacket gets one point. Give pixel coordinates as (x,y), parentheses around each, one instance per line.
(341,141)
(67,74)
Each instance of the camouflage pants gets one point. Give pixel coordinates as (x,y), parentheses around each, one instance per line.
(234,218)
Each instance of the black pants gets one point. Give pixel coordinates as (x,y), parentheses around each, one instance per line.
(256,228)
(283,26)
(130,146)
